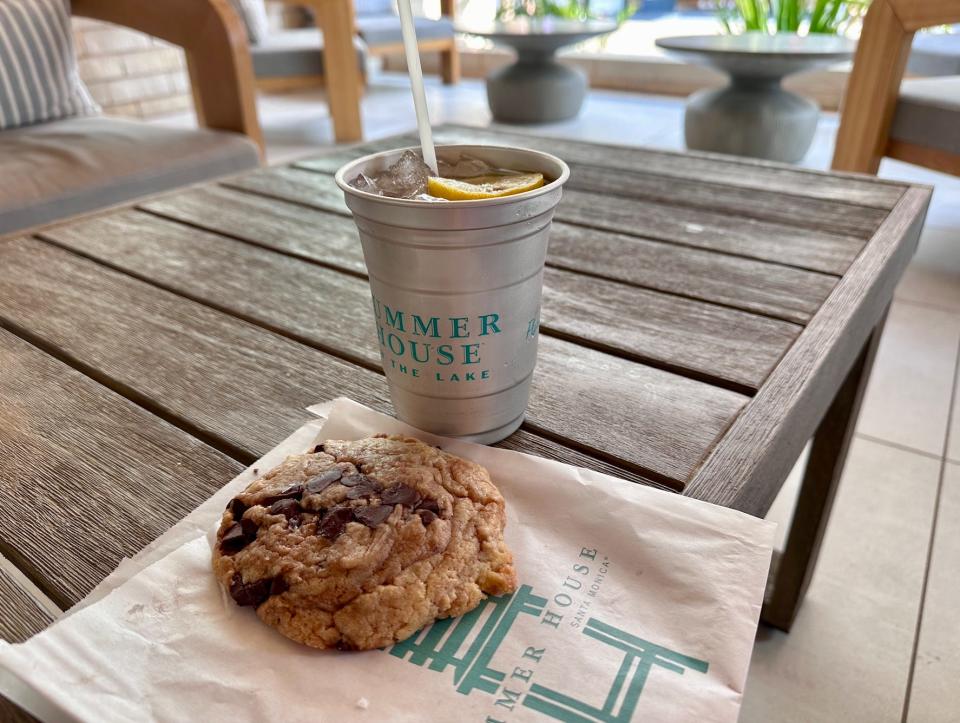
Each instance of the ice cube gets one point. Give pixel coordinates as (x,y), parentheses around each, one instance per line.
(407,178)
(363,182)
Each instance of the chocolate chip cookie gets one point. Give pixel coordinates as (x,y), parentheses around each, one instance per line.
(357,545)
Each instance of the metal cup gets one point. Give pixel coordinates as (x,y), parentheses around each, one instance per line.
(456,293)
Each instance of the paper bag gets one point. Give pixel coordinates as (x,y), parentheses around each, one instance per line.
(634,604)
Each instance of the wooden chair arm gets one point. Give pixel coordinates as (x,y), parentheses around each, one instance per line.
(215,42)
(335,19)
(874,84)
(918,14)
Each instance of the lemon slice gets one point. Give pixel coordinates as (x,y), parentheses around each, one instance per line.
(490,186)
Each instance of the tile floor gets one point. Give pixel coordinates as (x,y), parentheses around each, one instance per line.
(878,637)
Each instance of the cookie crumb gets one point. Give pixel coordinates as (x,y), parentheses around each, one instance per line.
(363,704)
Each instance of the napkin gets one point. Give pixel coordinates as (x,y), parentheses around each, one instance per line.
(633,604)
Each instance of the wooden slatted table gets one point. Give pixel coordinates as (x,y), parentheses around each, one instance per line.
(703,318)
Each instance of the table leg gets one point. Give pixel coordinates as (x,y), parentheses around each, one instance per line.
(793,569)
(341,71)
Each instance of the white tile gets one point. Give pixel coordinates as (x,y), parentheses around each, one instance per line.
(848,654)
(907,401)
(935,697)
(953,446)
(931,285)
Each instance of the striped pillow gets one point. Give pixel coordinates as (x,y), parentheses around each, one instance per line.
(38,71)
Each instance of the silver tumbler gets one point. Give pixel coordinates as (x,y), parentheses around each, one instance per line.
(456,293)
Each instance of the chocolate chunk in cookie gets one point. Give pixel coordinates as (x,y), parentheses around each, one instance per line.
(249,527)
(426,516)
(430,505)
(318,484)
(292,492)
(288,508)
(352,480)
(364,489)
(372,515)
(334,522)
(249,593)
(235,539)
(237,508)
(401,494)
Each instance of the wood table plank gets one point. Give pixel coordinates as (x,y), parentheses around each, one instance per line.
(635,181)
(22,615)
(714,168)
(713,230)
(763,239)
(212,370)
(777,291)
(774,290)
(88,477)
(290,228)
(764,442)
(9,713)
(705,341)
(238,386)
(801,211)
(287,183)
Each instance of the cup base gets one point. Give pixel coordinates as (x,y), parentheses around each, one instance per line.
(491,436)
(494,435)
(483,420)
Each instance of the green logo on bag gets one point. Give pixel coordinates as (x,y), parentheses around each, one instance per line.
(480,633)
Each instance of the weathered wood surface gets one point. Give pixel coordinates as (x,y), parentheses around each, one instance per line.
(22,617)
(86,476)
(767,437)
(637,181)
(702,340)
(10,713)
(779,243)
(287,183)
(238,386)
(781,292)
(719,230)
(774,290)
(289,228)
(712,168)
(258,219)
(210,369)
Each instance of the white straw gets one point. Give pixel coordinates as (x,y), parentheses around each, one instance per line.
(416,84)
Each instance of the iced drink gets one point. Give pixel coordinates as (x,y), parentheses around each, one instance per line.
(456,283)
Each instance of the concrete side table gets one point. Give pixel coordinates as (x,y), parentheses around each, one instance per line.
(754,115)
(536,88)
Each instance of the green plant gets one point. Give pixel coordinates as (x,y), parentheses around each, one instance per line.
(565,9)
(804,17)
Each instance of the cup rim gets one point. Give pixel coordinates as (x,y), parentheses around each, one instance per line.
(341,179)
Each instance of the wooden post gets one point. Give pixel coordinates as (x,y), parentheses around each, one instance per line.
(794,568)
(450,58)
(872,90)
(343,77)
